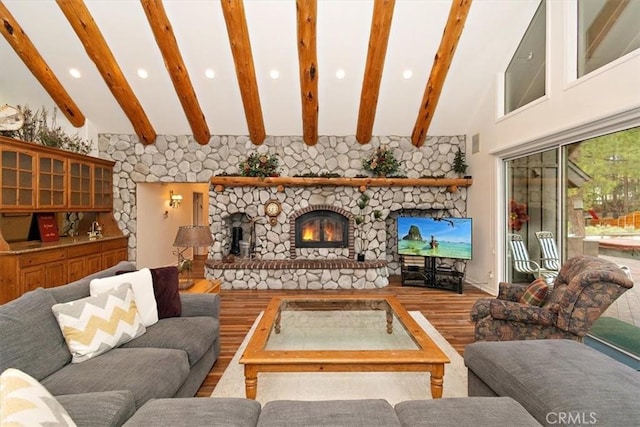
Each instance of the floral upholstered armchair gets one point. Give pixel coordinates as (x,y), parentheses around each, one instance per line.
(584,288)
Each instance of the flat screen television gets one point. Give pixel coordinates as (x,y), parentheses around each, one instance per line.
(434,237)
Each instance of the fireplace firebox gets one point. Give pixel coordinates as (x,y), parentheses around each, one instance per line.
(322,229)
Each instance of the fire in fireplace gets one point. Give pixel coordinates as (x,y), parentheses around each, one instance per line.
(322,229)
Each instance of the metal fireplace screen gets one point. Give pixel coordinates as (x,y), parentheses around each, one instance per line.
(322,229)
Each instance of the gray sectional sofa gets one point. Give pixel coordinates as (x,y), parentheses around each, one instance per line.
(559,382)
(170,360)
(150,380)
(235,412)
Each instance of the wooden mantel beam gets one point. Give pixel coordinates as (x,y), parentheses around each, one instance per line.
(235,19)
(163,32)
(94,43)
(441,63)
(378,41)
(451,184)
(25,49)
(308,64)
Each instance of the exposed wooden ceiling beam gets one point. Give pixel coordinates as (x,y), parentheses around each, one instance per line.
(308,64)
(94,43)
(234,16)
(25,49)
(378,41)
(168,45)
(441,63)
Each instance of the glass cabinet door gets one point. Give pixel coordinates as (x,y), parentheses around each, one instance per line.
(18,179)
(51,185)
(102,187)
(79,185)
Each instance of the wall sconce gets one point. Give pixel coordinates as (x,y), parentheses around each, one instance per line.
(174,199)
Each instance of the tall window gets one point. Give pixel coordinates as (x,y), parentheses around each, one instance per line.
(607,30)
(525,76)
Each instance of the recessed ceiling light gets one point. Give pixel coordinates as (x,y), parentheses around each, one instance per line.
(209,73)
(340,74)
(407,74)
(274,74)
(75,73)
(142,73)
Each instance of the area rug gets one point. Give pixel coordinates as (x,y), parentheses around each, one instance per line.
(392,386)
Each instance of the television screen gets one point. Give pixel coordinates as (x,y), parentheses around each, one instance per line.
(434,237)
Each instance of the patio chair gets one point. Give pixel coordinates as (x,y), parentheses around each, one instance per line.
(548,250)
(522,263)
(585,287)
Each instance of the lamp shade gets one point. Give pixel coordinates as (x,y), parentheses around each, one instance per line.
(193,236)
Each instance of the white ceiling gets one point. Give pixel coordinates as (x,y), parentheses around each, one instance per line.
(492,32)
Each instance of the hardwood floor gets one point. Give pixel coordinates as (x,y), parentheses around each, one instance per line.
(446,310)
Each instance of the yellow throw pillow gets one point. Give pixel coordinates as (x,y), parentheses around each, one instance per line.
(25,402)
(94,325)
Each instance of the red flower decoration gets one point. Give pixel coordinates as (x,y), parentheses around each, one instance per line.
(518,215)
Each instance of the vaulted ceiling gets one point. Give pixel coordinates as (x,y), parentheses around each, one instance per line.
(275,67)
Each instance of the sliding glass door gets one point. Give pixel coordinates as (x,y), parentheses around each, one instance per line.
(532,206)
(586,196)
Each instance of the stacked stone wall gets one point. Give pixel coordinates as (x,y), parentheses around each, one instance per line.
(180,159)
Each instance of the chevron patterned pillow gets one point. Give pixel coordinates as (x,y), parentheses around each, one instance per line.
(94,325)
(25,402)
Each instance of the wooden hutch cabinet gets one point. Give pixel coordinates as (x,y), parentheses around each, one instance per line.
(33,179)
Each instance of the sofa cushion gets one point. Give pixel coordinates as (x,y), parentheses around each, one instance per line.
(195,335)
(80,288)
(94,325)
(551,376)
(166,290)
(142,286)
(107,408)
(330,413)
(25,402)
(147,372)
(195,412)
(30,339)
(464,411)
(536,293)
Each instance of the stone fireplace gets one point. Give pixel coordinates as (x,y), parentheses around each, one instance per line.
(312,243)
(277,262)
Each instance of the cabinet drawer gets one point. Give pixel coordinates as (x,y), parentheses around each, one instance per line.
(114,244)
(83,250)
(41,258)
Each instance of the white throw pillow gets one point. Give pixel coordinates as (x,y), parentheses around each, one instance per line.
(94,325)
(25,402)
(142,285)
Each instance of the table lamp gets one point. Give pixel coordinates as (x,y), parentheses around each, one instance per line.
(190,236)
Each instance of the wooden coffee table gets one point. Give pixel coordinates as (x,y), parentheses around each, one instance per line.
(376,334)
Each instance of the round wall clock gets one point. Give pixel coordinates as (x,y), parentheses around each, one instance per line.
(272,209)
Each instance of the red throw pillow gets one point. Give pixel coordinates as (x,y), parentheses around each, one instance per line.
(165,289)
(536,293)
